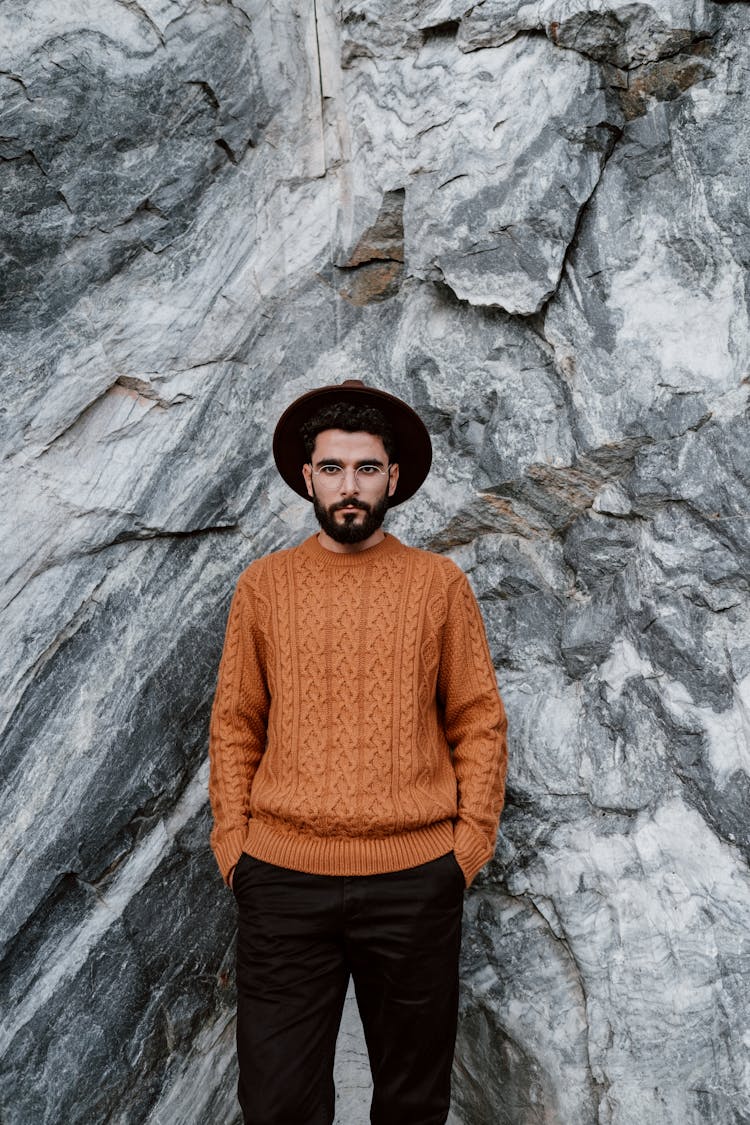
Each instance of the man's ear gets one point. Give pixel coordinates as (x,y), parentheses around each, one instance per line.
(393,479)
(307,474)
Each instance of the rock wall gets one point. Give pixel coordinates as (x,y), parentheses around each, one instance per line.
(530,219)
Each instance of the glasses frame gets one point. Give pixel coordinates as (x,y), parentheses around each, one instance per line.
(340,474)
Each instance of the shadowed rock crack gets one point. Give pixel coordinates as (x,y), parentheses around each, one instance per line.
(614,134)
(166,533)
(134,6)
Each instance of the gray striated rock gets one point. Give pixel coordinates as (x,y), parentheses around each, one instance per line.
(531,222)
(91,190)
(492,196)
(622,33)
(618,32)
(661,319)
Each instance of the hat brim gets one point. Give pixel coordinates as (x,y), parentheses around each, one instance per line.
(412,439)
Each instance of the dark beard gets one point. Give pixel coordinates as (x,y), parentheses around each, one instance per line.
(349,531)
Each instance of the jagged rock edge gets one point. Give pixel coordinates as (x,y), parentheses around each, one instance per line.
(616,133)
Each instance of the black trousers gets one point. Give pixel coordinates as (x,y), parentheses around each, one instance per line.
(300,938)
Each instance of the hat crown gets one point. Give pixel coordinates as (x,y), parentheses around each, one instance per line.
(352,383)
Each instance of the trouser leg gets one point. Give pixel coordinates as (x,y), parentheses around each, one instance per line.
(403,944)
(291,984)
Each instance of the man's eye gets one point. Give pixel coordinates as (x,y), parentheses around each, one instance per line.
(329,470)
(368,470)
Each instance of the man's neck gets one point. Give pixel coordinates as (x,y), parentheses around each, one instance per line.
(350,548)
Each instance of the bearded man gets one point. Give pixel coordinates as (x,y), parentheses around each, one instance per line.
(358,760)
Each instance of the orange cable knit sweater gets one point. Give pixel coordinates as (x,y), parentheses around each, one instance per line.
(357,726)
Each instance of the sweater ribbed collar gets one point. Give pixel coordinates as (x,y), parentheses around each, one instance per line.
(382,550)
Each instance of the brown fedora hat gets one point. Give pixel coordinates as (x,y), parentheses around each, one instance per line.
(412,439)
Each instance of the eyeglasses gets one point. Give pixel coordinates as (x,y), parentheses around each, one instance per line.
(330,477)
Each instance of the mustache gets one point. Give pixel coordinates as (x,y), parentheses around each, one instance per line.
(350,504)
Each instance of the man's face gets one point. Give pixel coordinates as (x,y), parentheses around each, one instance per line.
(350,481)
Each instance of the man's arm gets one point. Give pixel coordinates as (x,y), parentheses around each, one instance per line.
(475,725)
(237,732)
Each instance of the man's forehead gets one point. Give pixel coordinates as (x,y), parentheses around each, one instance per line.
(342,443)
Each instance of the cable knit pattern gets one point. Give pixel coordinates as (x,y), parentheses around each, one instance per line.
(356,727)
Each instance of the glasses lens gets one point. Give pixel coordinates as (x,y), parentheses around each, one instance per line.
(329,477)
(368,475)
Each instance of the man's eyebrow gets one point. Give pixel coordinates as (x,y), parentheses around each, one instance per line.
(358,465)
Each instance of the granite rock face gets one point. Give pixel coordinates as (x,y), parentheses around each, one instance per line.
(532,221)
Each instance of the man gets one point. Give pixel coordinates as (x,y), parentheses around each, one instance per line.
(357,775)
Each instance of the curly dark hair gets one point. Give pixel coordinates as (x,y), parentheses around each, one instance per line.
(352,418)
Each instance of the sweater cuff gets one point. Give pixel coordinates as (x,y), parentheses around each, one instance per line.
(229,850)
(471,849)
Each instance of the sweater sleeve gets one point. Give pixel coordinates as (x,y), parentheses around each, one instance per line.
(475,726)
(237,730)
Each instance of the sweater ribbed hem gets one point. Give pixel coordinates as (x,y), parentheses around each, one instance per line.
(348,855)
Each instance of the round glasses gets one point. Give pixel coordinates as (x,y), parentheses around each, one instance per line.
(331,477)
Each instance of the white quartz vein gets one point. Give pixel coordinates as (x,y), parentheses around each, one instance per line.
(134,873)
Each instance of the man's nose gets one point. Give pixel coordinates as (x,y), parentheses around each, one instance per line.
(349,482)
